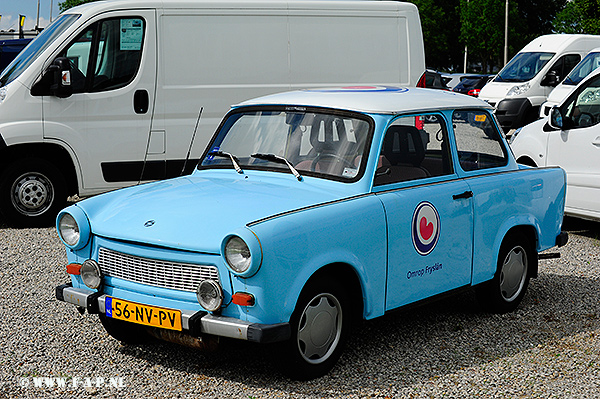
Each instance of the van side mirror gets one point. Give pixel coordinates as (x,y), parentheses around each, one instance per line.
(558,121)
(61,86)
(551,79)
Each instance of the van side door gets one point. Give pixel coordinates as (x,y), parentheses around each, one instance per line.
(107,119)
(577,149)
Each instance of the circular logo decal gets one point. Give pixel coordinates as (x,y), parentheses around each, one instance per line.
(425,228)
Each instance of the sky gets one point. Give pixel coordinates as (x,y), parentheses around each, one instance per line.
(10,10)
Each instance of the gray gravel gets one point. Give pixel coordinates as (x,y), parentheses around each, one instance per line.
(548,348)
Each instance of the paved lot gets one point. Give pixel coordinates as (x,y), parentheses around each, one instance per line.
(548,348)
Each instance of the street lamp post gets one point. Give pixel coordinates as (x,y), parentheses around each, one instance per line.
(506,33)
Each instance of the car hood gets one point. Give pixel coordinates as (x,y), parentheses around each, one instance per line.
(196,212)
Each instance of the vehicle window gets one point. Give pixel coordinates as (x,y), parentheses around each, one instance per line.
(414,147)
(523,67)
(564,65)
(315,143)
(584,108)
(589,63)
(37,46)
(107,55)
(478,141)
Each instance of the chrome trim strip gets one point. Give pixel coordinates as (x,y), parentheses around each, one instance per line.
(225,326)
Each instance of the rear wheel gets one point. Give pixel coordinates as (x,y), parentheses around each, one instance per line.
(515,263)
(320,324)
(32,191)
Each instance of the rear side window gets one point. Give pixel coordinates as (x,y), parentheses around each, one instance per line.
(107,55)
(478,141)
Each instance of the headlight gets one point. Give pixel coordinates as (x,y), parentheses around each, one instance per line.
(518,90)
(2,94)
(90,274)
(210,295)
(73,227)
(68,229)
(237,254)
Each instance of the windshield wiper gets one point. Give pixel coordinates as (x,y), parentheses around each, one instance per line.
(278,159)
(224,154)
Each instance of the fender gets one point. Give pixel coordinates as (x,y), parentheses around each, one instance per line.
(532,142)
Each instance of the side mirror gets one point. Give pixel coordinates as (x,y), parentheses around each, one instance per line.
(558,121)
(551,79)
(61,86)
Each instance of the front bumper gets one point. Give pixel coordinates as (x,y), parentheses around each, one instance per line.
(194,323)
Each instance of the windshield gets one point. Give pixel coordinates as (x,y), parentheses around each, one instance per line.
(589,63)
(314,142)
(36,47)
(523,67)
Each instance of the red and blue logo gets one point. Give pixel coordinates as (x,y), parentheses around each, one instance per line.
(425,228)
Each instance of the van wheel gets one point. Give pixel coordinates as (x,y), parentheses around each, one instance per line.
(123,331)
(32,191)
(505,291)
(320,324)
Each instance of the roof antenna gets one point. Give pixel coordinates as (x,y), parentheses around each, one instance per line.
(192,142)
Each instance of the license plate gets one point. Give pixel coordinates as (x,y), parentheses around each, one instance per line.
(143,314)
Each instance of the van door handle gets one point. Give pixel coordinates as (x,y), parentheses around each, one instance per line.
(140,101)
(466,194)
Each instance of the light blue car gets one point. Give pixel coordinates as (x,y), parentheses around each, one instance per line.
(310,210)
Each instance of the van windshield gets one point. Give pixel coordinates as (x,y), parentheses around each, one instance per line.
(589,63)
(523,67)
(36,47)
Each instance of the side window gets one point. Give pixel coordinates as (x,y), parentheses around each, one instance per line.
(584,108)
(414,147)
(477,141)
(107,55)
(564,64)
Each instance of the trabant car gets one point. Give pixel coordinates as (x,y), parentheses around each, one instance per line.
(312,209)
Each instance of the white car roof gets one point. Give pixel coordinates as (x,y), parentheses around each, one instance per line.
(373,99)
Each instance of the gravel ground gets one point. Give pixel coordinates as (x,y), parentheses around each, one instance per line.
(548,348)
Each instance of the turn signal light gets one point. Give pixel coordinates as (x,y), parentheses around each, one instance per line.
(243,299)
(73,268)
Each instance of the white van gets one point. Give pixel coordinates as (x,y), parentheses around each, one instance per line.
(110,93)
(570,138)
(587,65)
(525,82)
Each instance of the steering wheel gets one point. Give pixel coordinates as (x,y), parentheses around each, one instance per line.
(318,158)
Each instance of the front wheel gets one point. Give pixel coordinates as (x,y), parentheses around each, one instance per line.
(32,191)
(515,262)
(320,324)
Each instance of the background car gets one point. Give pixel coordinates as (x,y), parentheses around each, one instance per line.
(471,85)
(435,80)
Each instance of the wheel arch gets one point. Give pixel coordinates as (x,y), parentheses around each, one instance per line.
(347,276)
(50,152)
(531,233)
(527,160)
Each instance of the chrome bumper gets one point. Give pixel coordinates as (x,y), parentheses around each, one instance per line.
(194,323)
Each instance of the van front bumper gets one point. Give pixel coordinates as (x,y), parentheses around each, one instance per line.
(195,323)
(515,112)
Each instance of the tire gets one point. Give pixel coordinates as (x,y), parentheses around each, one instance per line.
(516,260)
(320,325)
(32,191)
(123,331)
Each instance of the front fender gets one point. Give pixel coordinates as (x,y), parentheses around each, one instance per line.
(531,142)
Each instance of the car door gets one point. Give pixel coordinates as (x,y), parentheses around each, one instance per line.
(107,120)
(428,211)
(577,149)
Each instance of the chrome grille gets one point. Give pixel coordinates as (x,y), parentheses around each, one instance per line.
(158,273)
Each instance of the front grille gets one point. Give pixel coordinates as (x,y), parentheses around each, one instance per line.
(158,273)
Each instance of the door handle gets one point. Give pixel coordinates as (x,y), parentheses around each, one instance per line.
(140,101)
(466,194)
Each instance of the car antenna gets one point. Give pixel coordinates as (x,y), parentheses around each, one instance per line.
(192,142)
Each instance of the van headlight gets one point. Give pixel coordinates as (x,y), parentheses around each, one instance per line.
(242,252)
(73,227)
(518,90)
(2,94)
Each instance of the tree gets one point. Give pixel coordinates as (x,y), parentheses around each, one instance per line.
(66,4)
(569,19)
